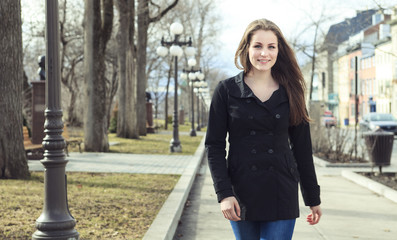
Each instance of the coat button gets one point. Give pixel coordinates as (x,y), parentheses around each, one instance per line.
(248,101)
(252,133)
(250,117)
(271,168)
(271,134)
(278,116)
(254,168)
(253,151)
(292,170)
(270,151)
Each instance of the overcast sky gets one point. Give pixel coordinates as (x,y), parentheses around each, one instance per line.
(290,15)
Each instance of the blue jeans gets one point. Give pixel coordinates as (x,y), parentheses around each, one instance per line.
(255,230)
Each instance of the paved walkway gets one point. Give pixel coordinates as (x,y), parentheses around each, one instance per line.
(122,163)
(350,211)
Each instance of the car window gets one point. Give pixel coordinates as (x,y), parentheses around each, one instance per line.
(382,117)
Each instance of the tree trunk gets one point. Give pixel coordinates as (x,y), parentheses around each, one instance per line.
(72,118)
(97,32)
(166,96)
(143,24)
(127,110)
(313,63)
(13,163)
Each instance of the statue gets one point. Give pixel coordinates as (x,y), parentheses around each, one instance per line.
(41,70)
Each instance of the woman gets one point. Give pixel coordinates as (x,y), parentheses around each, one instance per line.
(263,112)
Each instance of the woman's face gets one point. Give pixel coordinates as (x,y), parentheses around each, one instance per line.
(263,50)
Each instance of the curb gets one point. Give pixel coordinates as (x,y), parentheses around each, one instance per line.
(323,163)
(376,187)
(166,221)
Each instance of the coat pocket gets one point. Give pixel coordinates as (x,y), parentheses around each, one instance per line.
(292,167)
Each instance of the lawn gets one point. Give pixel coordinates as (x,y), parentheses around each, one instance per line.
(105,206)
(153,144)
(157,143)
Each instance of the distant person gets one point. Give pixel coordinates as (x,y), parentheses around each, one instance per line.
(262,111)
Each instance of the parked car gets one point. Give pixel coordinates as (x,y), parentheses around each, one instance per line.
(374,121)
(328,119)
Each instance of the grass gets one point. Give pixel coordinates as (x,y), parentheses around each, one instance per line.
(157,143)
(153,144)
(105,206)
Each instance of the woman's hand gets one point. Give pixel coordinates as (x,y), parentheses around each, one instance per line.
(315,216)
(230,208)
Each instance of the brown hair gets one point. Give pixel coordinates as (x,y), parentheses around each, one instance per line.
(285,71)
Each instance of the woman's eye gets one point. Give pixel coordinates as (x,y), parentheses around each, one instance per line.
(272,47)
(257,46)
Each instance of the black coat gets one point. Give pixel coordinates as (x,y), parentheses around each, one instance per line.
(267,157)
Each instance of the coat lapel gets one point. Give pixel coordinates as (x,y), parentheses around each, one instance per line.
(239,89)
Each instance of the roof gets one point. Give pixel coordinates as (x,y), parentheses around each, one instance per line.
(341,32)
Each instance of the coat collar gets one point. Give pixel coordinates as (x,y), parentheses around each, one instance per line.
(238,88)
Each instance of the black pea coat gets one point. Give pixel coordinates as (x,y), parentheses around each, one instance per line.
(267,157)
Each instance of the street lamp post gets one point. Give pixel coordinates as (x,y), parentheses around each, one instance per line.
(199,89)
(198,111)
(55,222)
(194,76)
(176,51)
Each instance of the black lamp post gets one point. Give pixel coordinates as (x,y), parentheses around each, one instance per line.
(194,77)
(200,87)
(176,51)
(55,222)
(198,111)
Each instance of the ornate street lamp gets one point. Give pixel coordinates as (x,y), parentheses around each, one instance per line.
(194,76)
(176,51)
(199,88)
(55,222)
(198,109)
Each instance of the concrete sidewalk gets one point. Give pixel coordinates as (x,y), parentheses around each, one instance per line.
(349,212)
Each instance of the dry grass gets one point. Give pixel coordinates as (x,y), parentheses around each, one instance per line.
(158,143)
(106,206)
(153,144)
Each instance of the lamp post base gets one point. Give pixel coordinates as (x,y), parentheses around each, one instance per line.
(198,128)
(193,132)
(175,146)
(65,235)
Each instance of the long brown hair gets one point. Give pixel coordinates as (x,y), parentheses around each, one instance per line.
(285,71)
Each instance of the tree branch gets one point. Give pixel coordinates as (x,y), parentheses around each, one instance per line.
(162,13)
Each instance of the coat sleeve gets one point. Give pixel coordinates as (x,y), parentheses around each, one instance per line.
(302,149)
(215,143)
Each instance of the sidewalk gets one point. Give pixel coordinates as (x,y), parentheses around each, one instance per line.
(350,211)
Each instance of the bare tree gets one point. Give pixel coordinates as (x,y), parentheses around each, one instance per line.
(201,23)
(127,112)
(311,49)
(13,163)
(144,20)
(98,24)
(71,39)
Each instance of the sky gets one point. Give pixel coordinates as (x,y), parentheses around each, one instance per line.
(290,15)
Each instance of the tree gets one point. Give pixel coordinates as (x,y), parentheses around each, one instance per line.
(127,112)
(311,49)
(98,22)
(144,20)
(13,163)
(71,39)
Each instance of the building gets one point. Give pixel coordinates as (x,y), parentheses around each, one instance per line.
(365,40)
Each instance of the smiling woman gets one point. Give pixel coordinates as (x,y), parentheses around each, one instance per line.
(262,111)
